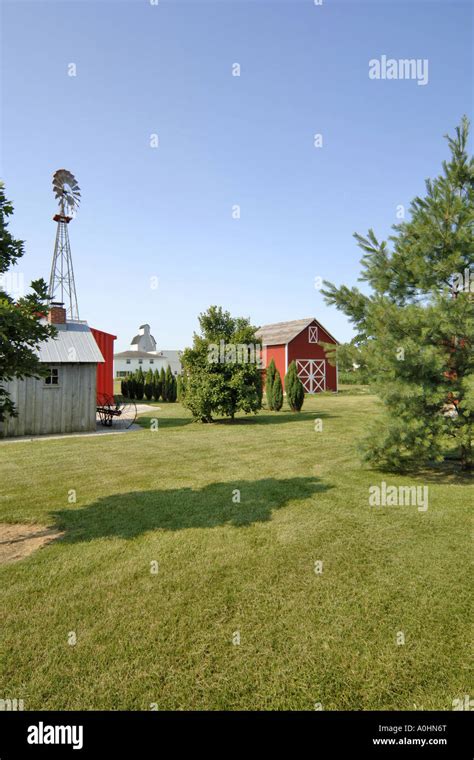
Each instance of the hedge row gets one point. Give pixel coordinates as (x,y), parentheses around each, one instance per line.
(152,386)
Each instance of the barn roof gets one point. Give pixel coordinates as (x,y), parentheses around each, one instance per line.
(284,332)
(74,344)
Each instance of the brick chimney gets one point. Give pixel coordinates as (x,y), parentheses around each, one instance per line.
(57,314)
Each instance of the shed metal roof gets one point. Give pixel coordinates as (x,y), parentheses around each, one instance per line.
(74,344)
(283,332)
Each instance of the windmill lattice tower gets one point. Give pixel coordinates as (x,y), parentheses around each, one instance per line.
(62,286)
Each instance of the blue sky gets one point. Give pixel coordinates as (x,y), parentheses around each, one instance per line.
(166,212)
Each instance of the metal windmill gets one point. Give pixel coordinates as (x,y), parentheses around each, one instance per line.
(61,282)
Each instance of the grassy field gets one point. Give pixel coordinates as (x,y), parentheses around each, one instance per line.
(229,569)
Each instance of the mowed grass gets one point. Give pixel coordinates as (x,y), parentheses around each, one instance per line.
(224,567)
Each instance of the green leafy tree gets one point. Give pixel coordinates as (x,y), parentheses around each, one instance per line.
(181,388)
(156,385)
(148,388)
(139,384)
(415,326)
(259,386)
(222,381)
(163,383)
(294,388)
(277,392)
(21,330)
(269,381)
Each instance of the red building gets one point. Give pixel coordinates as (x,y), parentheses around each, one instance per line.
(105,371)
(299,341)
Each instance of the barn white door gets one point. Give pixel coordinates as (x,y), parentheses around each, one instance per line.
(312,373)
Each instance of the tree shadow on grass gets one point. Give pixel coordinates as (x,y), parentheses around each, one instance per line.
(145,421)
(275,418)
(131,514)
(264,417)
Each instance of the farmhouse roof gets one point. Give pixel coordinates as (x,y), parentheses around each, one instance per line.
(73,344)
(140,355)
(284,332)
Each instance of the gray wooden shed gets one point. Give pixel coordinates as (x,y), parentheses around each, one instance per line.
(65,400)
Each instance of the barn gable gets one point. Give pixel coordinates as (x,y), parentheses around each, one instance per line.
(282,333)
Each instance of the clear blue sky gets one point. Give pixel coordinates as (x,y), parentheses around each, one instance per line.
(224,140)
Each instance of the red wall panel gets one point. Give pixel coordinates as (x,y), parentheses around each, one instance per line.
(277,353)
(105,371)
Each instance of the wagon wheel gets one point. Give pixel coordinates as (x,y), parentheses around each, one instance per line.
(116,411)
(104,409)
(127,413)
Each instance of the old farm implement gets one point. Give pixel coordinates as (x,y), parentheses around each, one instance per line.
(116,411)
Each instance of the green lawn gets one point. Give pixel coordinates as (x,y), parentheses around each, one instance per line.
(166,638)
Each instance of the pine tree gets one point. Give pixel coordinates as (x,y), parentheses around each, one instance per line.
(173,394)
(163,383)
(294,388)
(156,385)
(149,385)
(269,380)
(169,384)
(139,384)
(415,329)
(277,392)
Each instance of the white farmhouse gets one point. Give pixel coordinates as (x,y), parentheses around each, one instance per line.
(143,353)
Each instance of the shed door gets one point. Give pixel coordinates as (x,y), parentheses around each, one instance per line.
(312,373)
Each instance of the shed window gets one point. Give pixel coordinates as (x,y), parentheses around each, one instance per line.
(53,377)
(312,334)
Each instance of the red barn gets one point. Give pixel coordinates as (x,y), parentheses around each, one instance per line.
(105,371)
(298,341)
